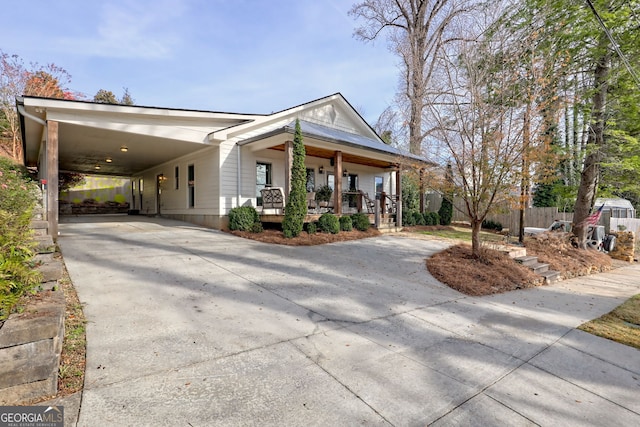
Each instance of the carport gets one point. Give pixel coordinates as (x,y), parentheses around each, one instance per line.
(95,138)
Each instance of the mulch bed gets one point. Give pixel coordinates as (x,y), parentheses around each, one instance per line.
(305,239)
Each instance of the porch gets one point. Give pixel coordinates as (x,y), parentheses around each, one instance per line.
(381,211)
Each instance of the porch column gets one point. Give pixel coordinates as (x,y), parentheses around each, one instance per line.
(288,162)
(422,190)
(337,191)
(399,195)
(51,151)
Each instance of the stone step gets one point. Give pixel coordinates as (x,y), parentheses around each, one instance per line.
(38,224)
(527,261)
(51,271)
(550,276)
(44,244)
(539,267)
(40,259)
(389,228)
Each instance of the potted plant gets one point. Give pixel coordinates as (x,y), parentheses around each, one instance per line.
(323,195)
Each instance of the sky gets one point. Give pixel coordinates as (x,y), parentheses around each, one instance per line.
(242,56)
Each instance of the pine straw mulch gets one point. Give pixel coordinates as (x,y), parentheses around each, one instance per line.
(556,250)
(494,272)
(305,239)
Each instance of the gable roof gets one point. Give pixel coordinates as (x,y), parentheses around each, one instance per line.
(337,101)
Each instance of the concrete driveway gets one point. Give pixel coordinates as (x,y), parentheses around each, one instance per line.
(194,327)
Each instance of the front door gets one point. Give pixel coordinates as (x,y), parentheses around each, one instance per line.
(159,180)
(352,182)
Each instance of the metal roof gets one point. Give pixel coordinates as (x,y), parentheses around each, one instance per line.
(613,203)
(330,134)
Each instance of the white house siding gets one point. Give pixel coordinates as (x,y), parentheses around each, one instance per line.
(329,115)
(174,202)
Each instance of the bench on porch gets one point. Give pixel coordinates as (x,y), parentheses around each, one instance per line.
(272,198)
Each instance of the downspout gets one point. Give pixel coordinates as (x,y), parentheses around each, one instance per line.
(239,185)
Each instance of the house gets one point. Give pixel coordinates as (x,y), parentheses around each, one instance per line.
(198,165)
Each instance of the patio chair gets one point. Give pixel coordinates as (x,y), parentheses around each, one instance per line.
(311,201)
(272,198)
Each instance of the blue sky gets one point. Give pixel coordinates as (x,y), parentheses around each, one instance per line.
(248,56)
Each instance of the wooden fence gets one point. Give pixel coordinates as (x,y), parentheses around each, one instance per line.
(510,218)
(630,224)
(534,217)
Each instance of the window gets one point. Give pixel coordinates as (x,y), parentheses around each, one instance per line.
(352,181)
(379,184)
(176,177)
(311,180)
(263,179)
(331,181)
(191,183)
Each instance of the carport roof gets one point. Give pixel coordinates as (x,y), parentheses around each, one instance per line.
(90,133)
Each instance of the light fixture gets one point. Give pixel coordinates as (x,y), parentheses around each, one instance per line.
(124,149)
(97,167)
(345,173)
(108,160)
(321,170)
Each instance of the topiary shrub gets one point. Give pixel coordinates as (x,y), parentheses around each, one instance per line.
(446,211)
(243,218)
(346,223)
(491,225)
(328,223)
(360,221)
(296,208)
(312,228)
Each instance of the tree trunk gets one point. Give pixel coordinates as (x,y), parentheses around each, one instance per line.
(475,237)
(591,169)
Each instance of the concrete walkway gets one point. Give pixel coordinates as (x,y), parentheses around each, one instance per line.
(194,327)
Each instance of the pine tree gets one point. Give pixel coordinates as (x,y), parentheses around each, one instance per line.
(296,208)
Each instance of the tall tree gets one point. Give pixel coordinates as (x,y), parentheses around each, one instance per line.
(296,207)
(105,97)
(594,110)
(16,79)
(481,125)
(108,97)
(417,31)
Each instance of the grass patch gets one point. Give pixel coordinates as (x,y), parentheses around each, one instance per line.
(621,325)
(457,233)
(74,348)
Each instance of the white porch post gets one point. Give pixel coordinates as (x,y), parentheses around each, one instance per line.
(288,162)
(337,191)
(51,150)
(399,195)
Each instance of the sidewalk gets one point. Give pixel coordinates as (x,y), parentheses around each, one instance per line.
(194,327)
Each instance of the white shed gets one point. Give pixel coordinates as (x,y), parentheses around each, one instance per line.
(619,208)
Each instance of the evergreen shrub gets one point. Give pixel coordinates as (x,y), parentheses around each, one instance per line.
(18,196)
(243,218)
(329,223)
(360,221)
(346,223)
